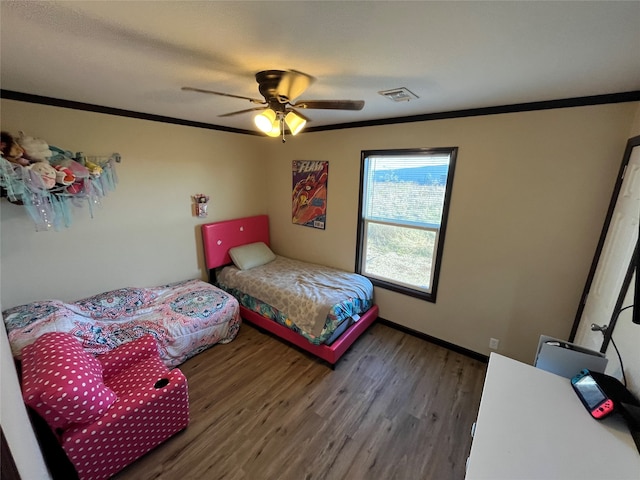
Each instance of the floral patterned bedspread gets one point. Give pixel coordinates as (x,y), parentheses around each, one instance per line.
(185,318)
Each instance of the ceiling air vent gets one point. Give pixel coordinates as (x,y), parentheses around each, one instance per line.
(399,94)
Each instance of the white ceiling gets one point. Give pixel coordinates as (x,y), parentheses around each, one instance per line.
(454,55)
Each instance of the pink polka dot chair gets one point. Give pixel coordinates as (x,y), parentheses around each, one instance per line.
(106,411)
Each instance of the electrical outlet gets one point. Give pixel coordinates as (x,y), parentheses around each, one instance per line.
(493,343)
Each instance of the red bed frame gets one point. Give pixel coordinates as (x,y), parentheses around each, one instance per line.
(219,237)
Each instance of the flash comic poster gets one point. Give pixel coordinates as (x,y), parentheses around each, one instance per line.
(309,197)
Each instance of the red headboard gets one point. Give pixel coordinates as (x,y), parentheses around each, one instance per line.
(219,237)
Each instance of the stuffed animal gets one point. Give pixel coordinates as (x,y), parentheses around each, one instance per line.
(45,172)
(35,149)
(94,169)
(11,151)
(78,170)
(64,175)
(76,187)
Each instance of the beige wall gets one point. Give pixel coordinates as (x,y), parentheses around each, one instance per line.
(145,233)
(635,127)
(529,199)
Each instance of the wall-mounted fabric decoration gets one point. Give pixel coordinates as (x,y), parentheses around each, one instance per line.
(309,197)
(48,180)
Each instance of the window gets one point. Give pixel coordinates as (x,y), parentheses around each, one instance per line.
(404,200)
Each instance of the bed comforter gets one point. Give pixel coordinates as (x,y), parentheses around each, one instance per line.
(185,318)
(309,295)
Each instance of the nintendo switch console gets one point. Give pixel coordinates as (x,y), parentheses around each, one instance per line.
(591,395)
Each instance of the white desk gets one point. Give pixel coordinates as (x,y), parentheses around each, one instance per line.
(531,425)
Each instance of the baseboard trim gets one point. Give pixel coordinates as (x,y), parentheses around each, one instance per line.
(451,346)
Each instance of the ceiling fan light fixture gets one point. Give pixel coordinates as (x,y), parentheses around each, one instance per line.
(279,88)
(267,121)
(275,129)
(295,122)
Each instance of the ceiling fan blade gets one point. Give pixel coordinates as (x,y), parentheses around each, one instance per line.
(292,84)
(241,111)
(252,100)
(331,104)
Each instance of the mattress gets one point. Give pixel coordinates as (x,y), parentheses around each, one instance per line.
(315,301)
(185,318)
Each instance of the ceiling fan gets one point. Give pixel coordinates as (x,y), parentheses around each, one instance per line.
(279,89)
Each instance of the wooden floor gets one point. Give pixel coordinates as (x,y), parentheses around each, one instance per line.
(395,407)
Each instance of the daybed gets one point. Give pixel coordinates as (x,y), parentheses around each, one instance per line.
(185,318)
(319,309)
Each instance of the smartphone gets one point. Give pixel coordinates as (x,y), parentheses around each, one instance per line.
(591,395)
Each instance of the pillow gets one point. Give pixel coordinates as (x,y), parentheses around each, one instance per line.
(83,401)
(66,379)
(251,255)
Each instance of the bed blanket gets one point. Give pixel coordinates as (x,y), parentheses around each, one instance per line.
(185,318)
(306,292)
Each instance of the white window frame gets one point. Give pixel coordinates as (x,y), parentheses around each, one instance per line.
(425,292)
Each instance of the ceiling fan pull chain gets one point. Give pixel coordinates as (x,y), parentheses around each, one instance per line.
(282,129)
